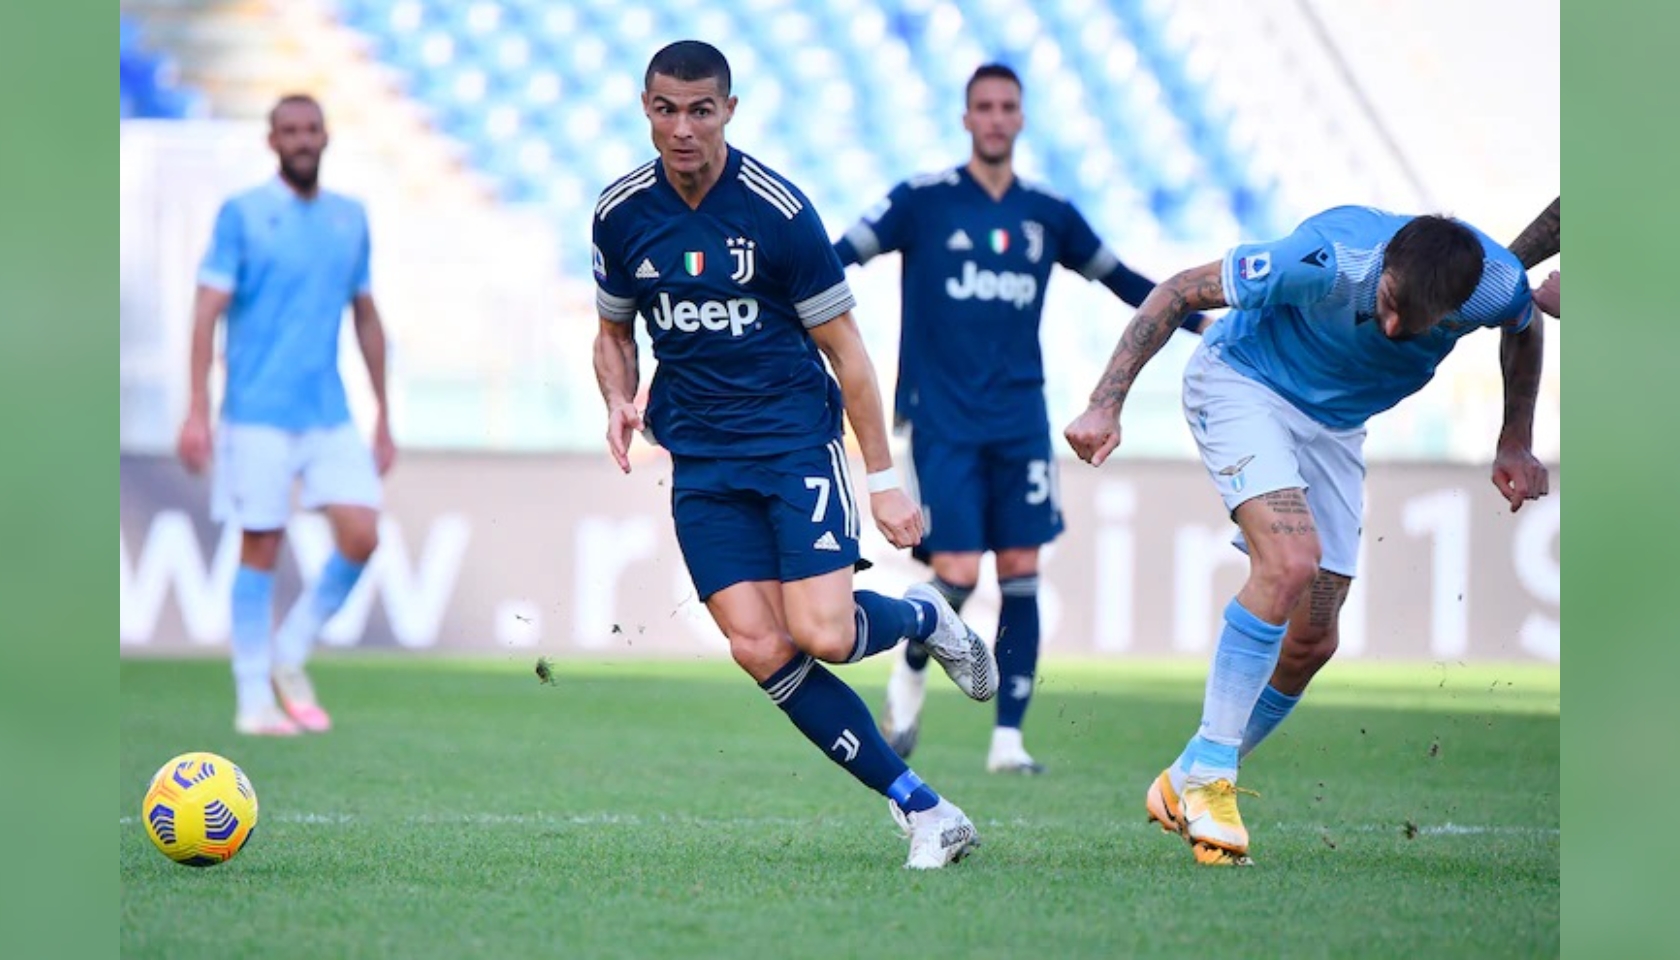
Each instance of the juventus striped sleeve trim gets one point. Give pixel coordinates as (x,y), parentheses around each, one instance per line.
(1100,264)
(864,242)
(825,306)
(614,308)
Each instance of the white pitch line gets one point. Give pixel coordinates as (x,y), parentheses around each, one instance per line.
(1448,829)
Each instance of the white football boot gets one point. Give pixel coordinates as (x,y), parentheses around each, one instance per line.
(938,836)
(962,653)
(1008,755)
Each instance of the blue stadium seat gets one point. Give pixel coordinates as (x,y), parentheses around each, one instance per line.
(147,87)
(852,93)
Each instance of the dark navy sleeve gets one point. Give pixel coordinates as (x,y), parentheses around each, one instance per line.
(816,281)
(615,293)
(884,228)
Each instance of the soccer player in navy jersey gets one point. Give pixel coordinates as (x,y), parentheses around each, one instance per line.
(1331,325)
(743,298)
(285,260)
(978,245)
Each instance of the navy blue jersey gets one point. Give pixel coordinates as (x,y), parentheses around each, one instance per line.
(727,293)
(970,366)
(1305,306)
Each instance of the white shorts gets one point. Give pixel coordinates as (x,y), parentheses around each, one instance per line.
(257,468)
(1255,442)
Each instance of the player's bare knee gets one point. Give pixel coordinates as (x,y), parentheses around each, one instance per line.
(358,543)
(1295,569)
(760,654)
(957,569)
(831,641)
(1015,563)
(260,549)
(355,532)
(1313,643)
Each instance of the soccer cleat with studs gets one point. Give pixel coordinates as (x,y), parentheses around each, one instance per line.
(958,649)
(1209,821)
(938,836)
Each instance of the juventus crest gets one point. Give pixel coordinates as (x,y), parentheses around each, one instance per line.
(1034,232)
(745,254)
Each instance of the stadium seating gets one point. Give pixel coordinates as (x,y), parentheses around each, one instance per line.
(147,81)
(1133,140)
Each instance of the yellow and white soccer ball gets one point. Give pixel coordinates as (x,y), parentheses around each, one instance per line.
(200,809)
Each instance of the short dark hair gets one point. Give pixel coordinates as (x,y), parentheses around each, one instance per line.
(1436,263)
(990,71)
(292,99)
(689,60)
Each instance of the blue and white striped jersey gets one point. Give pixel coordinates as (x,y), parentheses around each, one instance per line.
(727,293)
(1304,316)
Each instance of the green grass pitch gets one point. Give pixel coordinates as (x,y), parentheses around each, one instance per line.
(667,809)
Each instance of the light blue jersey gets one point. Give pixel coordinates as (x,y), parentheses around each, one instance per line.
(292,266)
(1304,316)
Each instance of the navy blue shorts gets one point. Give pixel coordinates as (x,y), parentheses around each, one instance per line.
(781,518)
(996,495)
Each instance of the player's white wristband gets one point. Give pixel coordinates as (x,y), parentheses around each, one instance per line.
(882,480)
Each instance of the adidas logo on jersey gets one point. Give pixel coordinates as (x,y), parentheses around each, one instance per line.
(959,241)
(827,542)
(646,271)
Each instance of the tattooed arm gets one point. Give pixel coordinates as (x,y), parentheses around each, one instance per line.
(1096,433)
(1542,239)
(1518,474)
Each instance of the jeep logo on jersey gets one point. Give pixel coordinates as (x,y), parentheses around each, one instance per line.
(733,315)
(745,253)
(1019,289)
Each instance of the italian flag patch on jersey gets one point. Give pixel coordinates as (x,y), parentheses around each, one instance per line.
(1000,241)
(694,262)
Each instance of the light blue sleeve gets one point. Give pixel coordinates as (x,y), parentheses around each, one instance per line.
(220,268)
(1502,299)
(364,256)
(1298,270)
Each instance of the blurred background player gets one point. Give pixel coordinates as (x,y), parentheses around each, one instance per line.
(1337,322)
(743,297)
(978,244)
(285,259)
